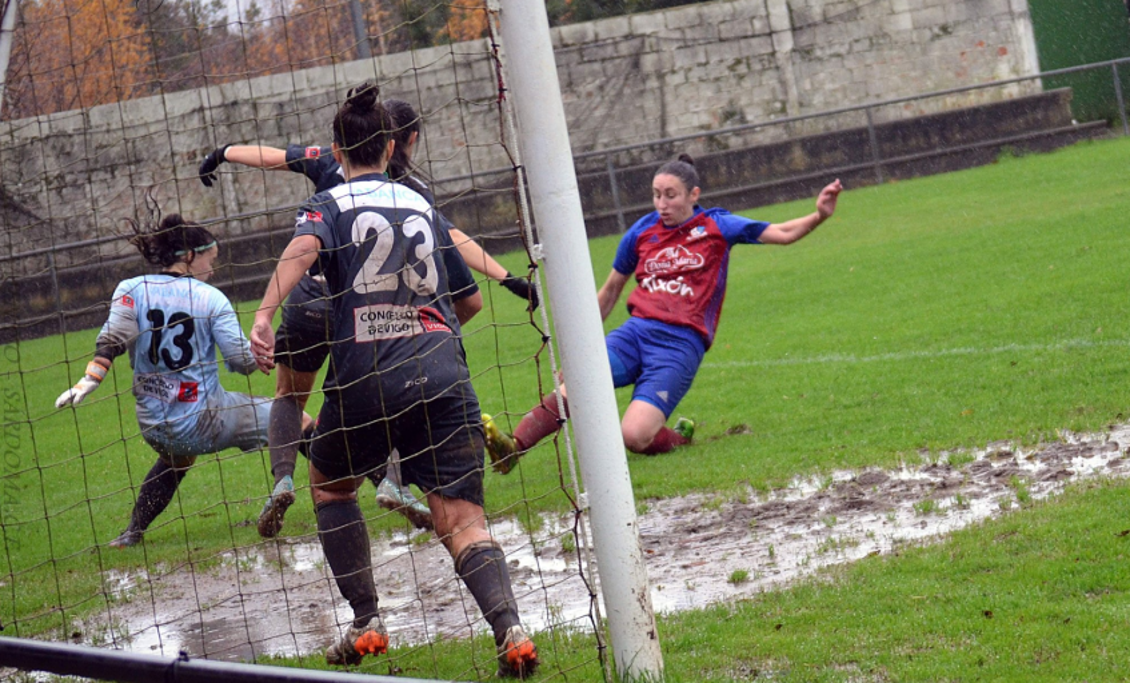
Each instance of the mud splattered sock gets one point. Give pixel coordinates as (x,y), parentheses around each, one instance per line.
(284,432)
(156,493)
(540,422)
(482,566)
(664,442)
(345,542)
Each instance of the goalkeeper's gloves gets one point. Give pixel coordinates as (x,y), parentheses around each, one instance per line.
(211,163)
(523,289)
(95,372)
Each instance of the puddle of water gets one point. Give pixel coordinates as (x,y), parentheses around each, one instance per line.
(278,598)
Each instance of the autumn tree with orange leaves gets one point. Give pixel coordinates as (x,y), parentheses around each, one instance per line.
(70,54)
(467,20)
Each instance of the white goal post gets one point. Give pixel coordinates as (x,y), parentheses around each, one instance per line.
(548,160)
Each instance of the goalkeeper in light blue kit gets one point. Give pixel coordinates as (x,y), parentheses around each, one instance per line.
(171,323)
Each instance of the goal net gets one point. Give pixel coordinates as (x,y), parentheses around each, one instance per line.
(109,109)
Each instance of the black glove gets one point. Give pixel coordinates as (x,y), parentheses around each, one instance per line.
(210,164)
(523,289)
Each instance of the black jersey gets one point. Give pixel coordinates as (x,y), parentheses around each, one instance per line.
(395,333)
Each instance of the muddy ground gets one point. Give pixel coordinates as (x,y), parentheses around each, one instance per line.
(278,598)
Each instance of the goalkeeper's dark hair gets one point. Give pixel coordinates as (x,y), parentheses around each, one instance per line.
(171,241)
(405,122)
(683,169)
(362,127)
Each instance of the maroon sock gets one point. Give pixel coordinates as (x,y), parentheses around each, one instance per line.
(664,442)
(540,422)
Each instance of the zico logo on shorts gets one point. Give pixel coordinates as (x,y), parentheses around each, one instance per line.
(313,152)
(189,392)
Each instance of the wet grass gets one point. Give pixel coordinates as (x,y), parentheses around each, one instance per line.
(944,312)
(1037,595)
(1034,595)
(938,313)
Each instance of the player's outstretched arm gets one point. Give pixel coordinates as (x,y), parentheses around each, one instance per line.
(299,255)
(478,259)
(255,156)
(791,231)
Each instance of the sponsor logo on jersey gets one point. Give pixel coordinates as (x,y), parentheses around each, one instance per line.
(674,259)
(155,386)
(313,152)
(189,392)
(657,284)
(696,233)
(432,321)
(126,301)
(389,321)
(304,216)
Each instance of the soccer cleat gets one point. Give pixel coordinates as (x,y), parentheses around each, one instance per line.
(684,427)
(501,447)
(130,537)
(271,516)
(371,639)
(400,499)
(517,656)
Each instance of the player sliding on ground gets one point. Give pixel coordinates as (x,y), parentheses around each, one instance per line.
(171,324)
(397,378)
(679,254)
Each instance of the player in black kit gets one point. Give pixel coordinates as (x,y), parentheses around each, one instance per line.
(398,378)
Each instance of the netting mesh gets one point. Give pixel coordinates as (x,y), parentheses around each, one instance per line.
(111,109)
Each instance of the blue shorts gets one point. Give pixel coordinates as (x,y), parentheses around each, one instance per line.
(661,360)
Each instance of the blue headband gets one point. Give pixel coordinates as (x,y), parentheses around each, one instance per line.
(199,250)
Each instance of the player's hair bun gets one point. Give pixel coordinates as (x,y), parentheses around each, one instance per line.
(683,169)
(361,127)
(363,98)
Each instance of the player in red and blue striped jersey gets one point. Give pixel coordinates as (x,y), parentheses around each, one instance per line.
(679,255)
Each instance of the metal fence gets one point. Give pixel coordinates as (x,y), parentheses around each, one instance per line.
(747,165)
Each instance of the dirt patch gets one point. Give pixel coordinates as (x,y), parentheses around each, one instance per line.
(278,597)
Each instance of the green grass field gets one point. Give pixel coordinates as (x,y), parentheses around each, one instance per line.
(942,312)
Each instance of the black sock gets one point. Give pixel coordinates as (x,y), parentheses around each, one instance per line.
(284,432)
(482,566)
(345,542)
(156,492)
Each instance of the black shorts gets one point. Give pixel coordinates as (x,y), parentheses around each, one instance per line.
(302,341)
(440,443)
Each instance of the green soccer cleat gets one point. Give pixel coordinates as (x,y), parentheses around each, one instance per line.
(517,656)
(684,427)
(372,639)
(501,447)
(400,499)
(271,516)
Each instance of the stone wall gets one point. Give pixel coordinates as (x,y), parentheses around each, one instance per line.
(73,176)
